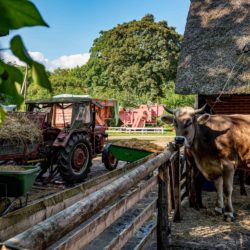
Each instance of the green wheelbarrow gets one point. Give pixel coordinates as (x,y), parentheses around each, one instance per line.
(15,184)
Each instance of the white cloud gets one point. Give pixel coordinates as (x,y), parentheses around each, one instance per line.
(10,58)
(63,62)
(70,61)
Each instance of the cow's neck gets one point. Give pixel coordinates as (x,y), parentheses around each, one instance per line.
(203,142)
(193,140)
(205,153)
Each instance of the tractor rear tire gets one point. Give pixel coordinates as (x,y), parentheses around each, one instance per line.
(75,159)
(110,162)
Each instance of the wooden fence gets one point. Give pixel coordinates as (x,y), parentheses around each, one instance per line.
(143,130)
(166,171)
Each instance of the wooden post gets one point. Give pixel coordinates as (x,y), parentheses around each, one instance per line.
(171,187)
(162,217)
(177,190)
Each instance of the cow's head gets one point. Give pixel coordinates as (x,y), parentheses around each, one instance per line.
(184,120)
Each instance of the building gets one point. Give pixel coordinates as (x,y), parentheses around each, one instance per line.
(215,57)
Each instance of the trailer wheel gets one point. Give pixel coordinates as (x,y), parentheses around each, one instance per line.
(110,162)
(75,159)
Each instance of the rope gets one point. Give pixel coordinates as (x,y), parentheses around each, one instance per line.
(225,85)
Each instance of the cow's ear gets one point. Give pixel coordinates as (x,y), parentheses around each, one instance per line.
(202,119)
(168,119)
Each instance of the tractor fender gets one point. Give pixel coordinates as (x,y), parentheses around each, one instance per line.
(63,138)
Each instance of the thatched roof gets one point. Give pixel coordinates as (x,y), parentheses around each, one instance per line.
(217,32)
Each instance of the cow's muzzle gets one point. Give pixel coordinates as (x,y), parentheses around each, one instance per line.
(180,140)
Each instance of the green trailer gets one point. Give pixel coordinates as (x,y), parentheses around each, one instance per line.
(113,153)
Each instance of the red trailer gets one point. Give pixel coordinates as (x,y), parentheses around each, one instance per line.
(139,117)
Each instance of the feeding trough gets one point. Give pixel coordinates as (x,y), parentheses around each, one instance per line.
(15,182)
(128,150)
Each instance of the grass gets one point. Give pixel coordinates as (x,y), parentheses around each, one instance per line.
(168,133)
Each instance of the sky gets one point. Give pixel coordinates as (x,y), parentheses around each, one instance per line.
(75,24)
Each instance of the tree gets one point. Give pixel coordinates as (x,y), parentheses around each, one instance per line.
(16,14)
(173,100)
(137,57)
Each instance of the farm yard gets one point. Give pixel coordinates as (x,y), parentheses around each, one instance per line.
(125,125)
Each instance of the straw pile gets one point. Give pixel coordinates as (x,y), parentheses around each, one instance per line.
(139,144)
(18,129)
(207,228)
(10,168)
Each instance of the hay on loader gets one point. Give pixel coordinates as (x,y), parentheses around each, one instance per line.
(17,128)
(139,144)
(11,168)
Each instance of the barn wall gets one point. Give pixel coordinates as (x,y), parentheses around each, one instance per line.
(229,104)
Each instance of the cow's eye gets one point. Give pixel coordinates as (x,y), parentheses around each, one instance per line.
(188,123)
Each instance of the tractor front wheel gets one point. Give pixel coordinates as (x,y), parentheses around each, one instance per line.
(75,159)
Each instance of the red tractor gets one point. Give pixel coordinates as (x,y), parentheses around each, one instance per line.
(70,137)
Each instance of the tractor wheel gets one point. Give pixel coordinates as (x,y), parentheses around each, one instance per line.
(75,159)
(110,162)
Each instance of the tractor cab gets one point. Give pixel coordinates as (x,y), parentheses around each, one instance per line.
(61,113)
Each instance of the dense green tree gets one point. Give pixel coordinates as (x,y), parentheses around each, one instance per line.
(138,57)
(173,100)
(134,62)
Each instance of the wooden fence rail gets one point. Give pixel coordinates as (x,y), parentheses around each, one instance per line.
(130,130)
(56,231)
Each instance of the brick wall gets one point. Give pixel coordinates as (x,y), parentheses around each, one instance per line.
(229,104)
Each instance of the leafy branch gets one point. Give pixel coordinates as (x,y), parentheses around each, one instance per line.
(16,14)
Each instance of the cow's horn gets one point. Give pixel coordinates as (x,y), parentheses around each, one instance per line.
(171,111)
(198,111)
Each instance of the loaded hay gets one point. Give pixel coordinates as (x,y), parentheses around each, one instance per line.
(11,168)
(144,145)
(19,129)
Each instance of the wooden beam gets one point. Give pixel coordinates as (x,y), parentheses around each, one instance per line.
(183,193)
(162,216)
(183,182)
(20,220)
(171,184)
(143,243)
(118,242)
(46,233)
(94,228)
(177,190)
(184,201)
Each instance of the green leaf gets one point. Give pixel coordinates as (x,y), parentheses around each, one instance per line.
(2,114)
(1,70)
(11,79)
(39,75)
(19,50)
(16,14)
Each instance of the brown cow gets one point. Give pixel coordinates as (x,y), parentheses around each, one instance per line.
(218,143)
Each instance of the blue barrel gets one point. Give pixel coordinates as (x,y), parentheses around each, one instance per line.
(208,186)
